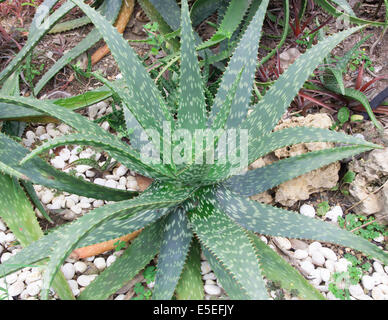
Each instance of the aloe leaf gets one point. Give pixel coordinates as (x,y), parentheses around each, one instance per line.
(17,112)
(244,55)
(121,152)
(162,196)
(35,38)
(20,218)
(203,9)
(261,179)
(39,172)
(192,109)
(360,97)
(173,252)
(277,269)
(130,263)
(272,221)
(230,285)
(229,243)
(40,14)
(190,285)
(334,78)
(146,100)
(291,136)
(28,187)
(343,4)
(329,8)
(271,107)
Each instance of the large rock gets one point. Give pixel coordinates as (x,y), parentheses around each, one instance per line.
(302,187)
(372,172)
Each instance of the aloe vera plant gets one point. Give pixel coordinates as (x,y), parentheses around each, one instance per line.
(191,206)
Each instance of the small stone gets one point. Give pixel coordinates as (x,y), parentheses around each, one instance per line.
(212,289)
(307,210)
(76,209)
(110,260)
(205,267)
(111,184)
(120,171)
(317,258)
(90,173)
(314,247)
(315,277)
(33,276)
(325,274)
(209,276)
(68,215)
(16,288)
(378,267)
(377,294)
(300,254)
(307,267)
(33,289)
(100,263)
(47,197)
(329,264)
(2,226)
(10,237)
(356,291)
(342,265)
(84,280)
(5,256)
(334,213)
(74,287)
(100,181)
(68,270)
(379,239)
(11,278)
(98,203)
(328,254)
(80,266)
(120,297)
(58,163)
(284,243)
(81,168)
(383,288)
(299,244)
(40,130)
(368,282)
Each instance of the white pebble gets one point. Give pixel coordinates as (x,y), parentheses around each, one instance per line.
(76,209)
(33,289)
(212,289)
(74,287)
(378,267)
(65,154)
(356,291)
(325,274)
(368,282)
(100,263)
(110,260)
(84,280)
(307,210)
(68,270)
(307,267)
(100,181)
(11,278)
(98,203)
(314,247)
(80,266)
(111,184)
(209,276)
(334,213)
(47,197)
(16,288)
(120,171)
(2,226)
(300,254)
(317,258)
(377,294)
(328,254)
(205,267)
(283,243)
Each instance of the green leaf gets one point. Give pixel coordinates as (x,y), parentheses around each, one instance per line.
(360,97)
(244,55)
(349,177)
(343,115)
(39,172)
(271,107)
(229,284)
(203,9)
(190,285)
(337,13)
(261,179)
(121,152)
(162,196)
(192,107)
(230,245)
(20,218)
(173,252)
(343,4)
(272,221)
(146,100)
(277,269)
(134,258)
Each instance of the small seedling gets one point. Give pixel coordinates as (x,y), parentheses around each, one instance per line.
(142,292)
(119,245)
(360,57)
(347,179)
(353,221)
(323,208)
